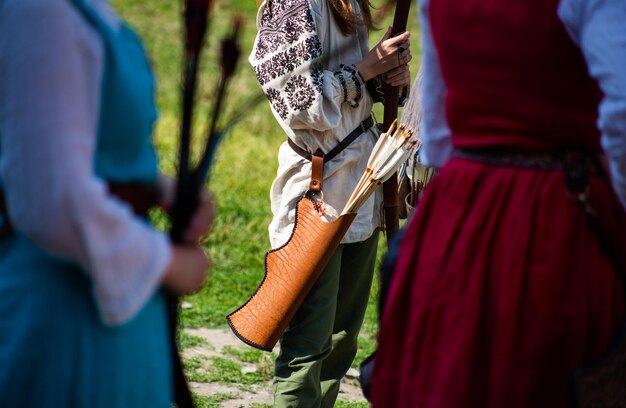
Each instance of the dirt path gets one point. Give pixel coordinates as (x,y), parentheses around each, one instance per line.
(216,342)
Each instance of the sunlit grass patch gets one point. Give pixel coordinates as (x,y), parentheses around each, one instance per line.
(247,355)
(226,371)
(351,404)
(247,376)
(263,361)
(186,340)
(211,401)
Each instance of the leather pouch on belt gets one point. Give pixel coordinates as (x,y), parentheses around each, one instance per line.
(290,273)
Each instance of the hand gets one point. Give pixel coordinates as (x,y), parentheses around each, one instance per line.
(389,53)
(187,270)
(202,220)
(167,190)
(400,76)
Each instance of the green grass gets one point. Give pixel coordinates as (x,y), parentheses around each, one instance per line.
(350,404)
(248,355)
(212,401)
(241,367)
(195,363)
(245,164)
(187,340)
(226,371)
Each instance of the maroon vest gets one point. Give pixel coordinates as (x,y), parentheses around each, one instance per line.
(514,77)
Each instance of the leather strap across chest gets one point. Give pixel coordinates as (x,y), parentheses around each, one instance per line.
(318,158)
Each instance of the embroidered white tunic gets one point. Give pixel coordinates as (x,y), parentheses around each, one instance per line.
(304,64)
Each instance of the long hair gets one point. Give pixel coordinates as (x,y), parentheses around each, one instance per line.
(348,19)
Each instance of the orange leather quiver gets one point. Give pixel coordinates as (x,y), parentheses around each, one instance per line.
(290,273)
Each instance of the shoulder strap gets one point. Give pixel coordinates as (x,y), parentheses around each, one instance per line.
(318,158)
(317,171)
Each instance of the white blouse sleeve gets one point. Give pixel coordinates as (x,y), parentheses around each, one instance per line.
(435,134)
(287,57)
(50,77)
(599,28)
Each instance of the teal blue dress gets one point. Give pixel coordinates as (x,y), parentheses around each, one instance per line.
(54,349)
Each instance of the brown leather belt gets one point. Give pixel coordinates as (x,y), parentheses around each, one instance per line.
(319,157)
(141,197)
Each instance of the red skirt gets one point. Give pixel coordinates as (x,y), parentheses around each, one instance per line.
(501,290)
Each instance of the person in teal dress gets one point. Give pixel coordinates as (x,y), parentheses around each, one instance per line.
(82,314)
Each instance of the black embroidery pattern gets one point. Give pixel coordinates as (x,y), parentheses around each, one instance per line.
(351,84)
(300,93)
(287,61)
(317,76)
(284,24)
(277,101)
(342,82)
(287,41)
(357,82)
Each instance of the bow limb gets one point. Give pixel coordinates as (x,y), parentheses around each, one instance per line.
(392,95)
(196,13)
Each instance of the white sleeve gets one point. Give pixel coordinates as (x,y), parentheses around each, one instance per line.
(435,134)
(286,58)
(599,28)
(50,78)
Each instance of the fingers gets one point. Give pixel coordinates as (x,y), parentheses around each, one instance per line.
(400,76)
(167,189)
(398,39)
(399,48)
(202,220)
(390,44)
(187,270)
(390,53)
(404,56)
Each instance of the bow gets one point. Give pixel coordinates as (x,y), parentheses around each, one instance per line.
(196,21)
(191,181)
(392,94)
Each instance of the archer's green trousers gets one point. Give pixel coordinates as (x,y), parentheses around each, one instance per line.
(320,343)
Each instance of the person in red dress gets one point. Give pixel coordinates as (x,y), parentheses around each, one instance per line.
(502,287)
